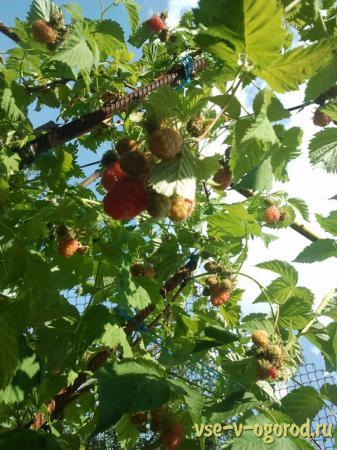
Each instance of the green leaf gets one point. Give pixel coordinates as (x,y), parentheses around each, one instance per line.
(287,271)
(259,179)
(9,106)
(114,336)
(75,10)
(329,391)
(20,439)
(165,102)
(243,26)
(9,356)
(330,109)
(318,251)
(129,387)
(140,36)
(43,9)
(301,206)
(191,396)
(275,110)
(251,142)
(206,167)
(133,11)
(74,52)
(301,404)
(235,221)
(329,223)
(108,37)
(322,80)
(288,71)
(288,150)
(296,313)
(233,104)
(323,149)
(175,177)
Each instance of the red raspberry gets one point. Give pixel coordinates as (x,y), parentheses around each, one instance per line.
(320,119)
(220,297)
(67,247)
(43,33)
(126,199)
(223,178)
(272,373)
(111,175)
(172,436)
(165,143)
(155,24)
(272,214)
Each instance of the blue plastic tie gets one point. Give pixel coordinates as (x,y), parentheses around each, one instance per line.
(188,67)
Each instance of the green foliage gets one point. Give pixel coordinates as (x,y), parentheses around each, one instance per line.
(323,150)
(146,331)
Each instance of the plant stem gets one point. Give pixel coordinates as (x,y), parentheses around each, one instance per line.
(291,5)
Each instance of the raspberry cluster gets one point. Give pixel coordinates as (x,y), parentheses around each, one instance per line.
(269,356)
(219,284)
(126,178)
(162,421)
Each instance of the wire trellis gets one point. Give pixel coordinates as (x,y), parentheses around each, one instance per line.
(206,379)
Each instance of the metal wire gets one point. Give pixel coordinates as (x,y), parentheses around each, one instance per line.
(208,380)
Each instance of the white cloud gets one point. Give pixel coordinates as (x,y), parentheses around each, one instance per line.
(176,8)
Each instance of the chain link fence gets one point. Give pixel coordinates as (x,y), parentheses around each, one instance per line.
(206,380)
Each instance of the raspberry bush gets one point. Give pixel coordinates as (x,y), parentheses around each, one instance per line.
(144,199)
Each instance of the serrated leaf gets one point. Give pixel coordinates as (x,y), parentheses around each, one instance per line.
(301,206)
(133,11)
(329,391)
(43,9)
(322,80)
(140,36)
(318,251)
(75,52)
(113,336)
(13,440)
(330,109)
(191,396)
(329,223)
(75,10)
(275,109)
(127,388)
(288,272)
(107,36)
(287,150)
(251,142)
(165,102)
(9,106)
(302,403)
(206,167)
(290,70)
(296,313)
(243,26)
(258,179)
(9,356)
(323,149)
(175,177)
(235,221)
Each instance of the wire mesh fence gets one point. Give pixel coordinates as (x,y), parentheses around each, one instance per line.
(206,379)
